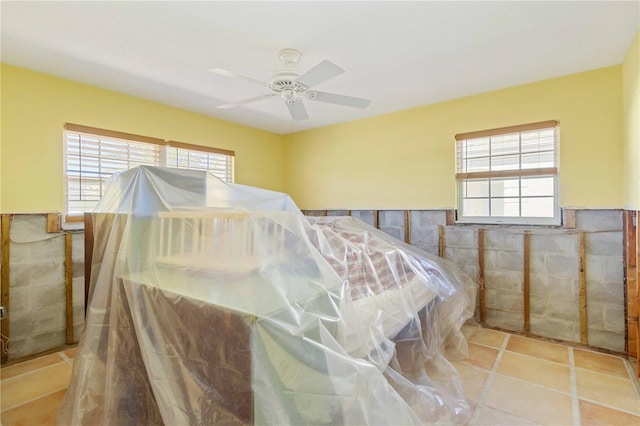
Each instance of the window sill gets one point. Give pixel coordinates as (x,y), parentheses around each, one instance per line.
(552,222)
(73,223)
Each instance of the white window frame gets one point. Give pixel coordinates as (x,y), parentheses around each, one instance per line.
(464,176)
(207,159)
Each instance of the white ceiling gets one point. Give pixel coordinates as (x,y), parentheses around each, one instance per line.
(399,54)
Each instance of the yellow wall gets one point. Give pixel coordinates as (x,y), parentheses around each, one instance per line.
(406,159)
(401,160)
(35,107)
(631,120)
(1,140)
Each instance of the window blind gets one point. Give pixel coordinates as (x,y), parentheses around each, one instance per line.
(186,156)
(92,159)
(93,155)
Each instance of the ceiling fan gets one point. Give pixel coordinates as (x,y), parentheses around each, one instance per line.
(294,86)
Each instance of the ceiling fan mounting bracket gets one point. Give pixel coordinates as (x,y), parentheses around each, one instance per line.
(289,57)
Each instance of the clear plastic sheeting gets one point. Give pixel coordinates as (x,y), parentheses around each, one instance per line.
(217,303)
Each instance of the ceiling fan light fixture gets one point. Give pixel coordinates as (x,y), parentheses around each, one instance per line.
(290,96)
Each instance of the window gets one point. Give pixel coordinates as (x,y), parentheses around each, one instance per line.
(185,156)
(93,155)
(509,175)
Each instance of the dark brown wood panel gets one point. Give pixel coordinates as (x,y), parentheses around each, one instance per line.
(68,284)
(4,285)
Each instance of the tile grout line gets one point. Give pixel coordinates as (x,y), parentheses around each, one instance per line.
(487,385)
(63,359)
(537,358)
(612,407)
(631,373)
(610,376)
(13,378)
(528,354)
(66,359)
(4,410)
(537,385)
(575,405)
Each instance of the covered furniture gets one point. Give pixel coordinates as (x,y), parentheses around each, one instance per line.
(216,303)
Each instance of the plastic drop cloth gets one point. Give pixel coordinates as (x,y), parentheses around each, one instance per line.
(217,303)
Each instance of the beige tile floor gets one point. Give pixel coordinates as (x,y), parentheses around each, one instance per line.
(514,380)
(508,380)
(31,392)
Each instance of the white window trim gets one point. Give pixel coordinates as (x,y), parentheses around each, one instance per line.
(556,220)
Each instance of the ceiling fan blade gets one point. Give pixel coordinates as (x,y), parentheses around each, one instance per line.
(246,101)
(324,71)
(235,75)
(332,98)
(298,111)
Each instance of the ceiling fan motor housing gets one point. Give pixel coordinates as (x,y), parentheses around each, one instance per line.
(284,80)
